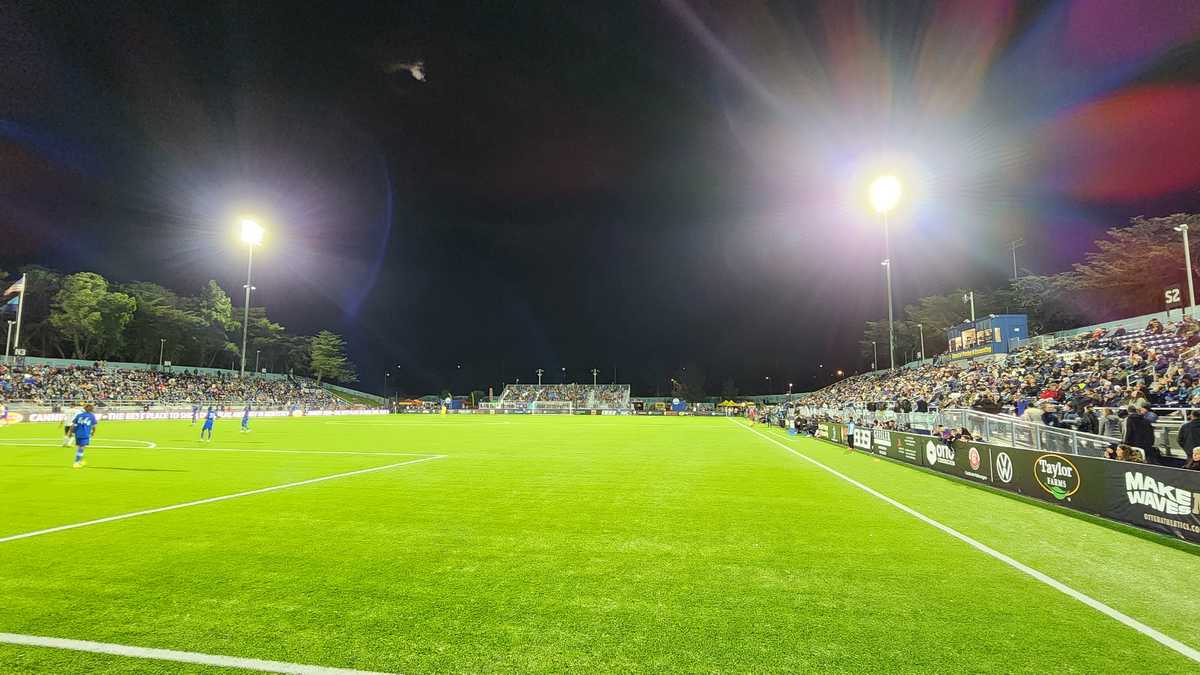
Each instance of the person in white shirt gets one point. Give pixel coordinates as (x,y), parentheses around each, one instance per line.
(68,420)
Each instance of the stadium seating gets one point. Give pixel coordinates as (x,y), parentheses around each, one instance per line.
(48,385)
(582,396)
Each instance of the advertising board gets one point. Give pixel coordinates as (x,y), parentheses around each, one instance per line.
(1158,498)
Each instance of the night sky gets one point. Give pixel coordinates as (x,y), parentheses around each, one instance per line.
(631,186)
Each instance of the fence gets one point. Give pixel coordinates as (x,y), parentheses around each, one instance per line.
(983,426)
(1153,497)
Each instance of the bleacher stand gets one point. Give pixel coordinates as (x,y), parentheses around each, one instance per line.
(99,384)
(577,396)
(1085,383)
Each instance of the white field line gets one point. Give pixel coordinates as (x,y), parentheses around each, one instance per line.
(1057,585)
(176,656)
(355,423)
(294,452)
(201,448)
(50,443)
(211,500)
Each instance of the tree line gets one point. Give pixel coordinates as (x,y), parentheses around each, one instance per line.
(1124,276)
(85,316)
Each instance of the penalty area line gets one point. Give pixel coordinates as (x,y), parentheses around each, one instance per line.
(1152,633)
(174,655)
(212,500)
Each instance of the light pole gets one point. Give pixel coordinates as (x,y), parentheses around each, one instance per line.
(252,235)
(162,344)
(387,378)
(8,341)
(922,331)
(874,355)
(594,374)
(1187,260)
(256,354)
(539,372)
(768,379)
(885,193)
(969,296)
(564,375)
(1019,243)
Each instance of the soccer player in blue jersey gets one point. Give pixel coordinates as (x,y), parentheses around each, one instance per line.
(84,426)
(209,418)
(246,419)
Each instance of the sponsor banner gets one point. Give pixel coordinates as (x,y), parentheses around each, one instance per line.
(1154,497)
(862,439)
(1069,480)
(1158,498)
(837,433)
(187,415)
(881,440)
(904,447)
(965,460)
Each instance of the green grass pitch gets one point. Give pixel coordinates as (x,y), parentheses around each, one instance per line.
(554,544)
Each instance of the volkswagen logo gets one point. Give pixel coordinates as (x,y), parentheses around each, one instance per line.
(1004,467)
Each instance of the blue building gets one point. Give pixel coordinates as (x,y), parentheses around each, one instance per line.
(992,334)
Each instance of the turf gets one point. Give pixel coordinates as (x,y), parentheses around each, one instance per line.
(551,544)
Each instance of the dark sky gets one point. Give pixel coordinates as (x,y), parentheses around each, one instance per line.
(637,186)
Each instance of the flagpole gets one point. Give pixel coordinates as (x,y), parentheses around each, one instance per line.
(20,311)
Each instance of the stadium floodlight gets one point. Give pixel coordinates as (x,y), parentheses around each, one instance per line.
(884,193)
(252,235)
(252,232)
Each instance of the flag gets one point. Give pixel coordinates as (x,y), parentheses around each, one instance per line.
(11,303)
(18,287)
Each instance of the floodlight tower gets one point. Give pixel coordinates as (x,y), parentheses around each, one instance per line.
(1187,263)
(539,372)
(252,235)
(885,193)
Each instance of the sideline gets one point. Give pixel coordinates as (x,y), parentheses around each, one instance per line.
(211,500)
(173,655)
(22,443)
(1057,585)
(50,443)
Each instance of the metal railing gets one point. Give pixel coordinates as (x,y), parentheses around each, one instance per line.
(1018,433)
(986,427)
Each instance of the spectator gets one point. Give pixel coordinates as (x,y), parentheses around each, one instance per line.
(1193,464)
(1050,415)
(1189,433)
(1139,431)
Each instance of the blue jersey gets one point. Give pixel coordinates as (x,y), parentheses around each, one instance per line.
(209,417)
(83,425)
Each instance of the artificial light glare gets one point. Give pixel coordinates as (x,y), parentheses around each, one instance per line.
(252,232)
(885,193)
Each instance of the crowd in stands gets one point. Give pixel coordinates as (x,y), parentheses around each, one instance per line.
(1115,384)
(577,395)
(1096,369)
(100,384)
